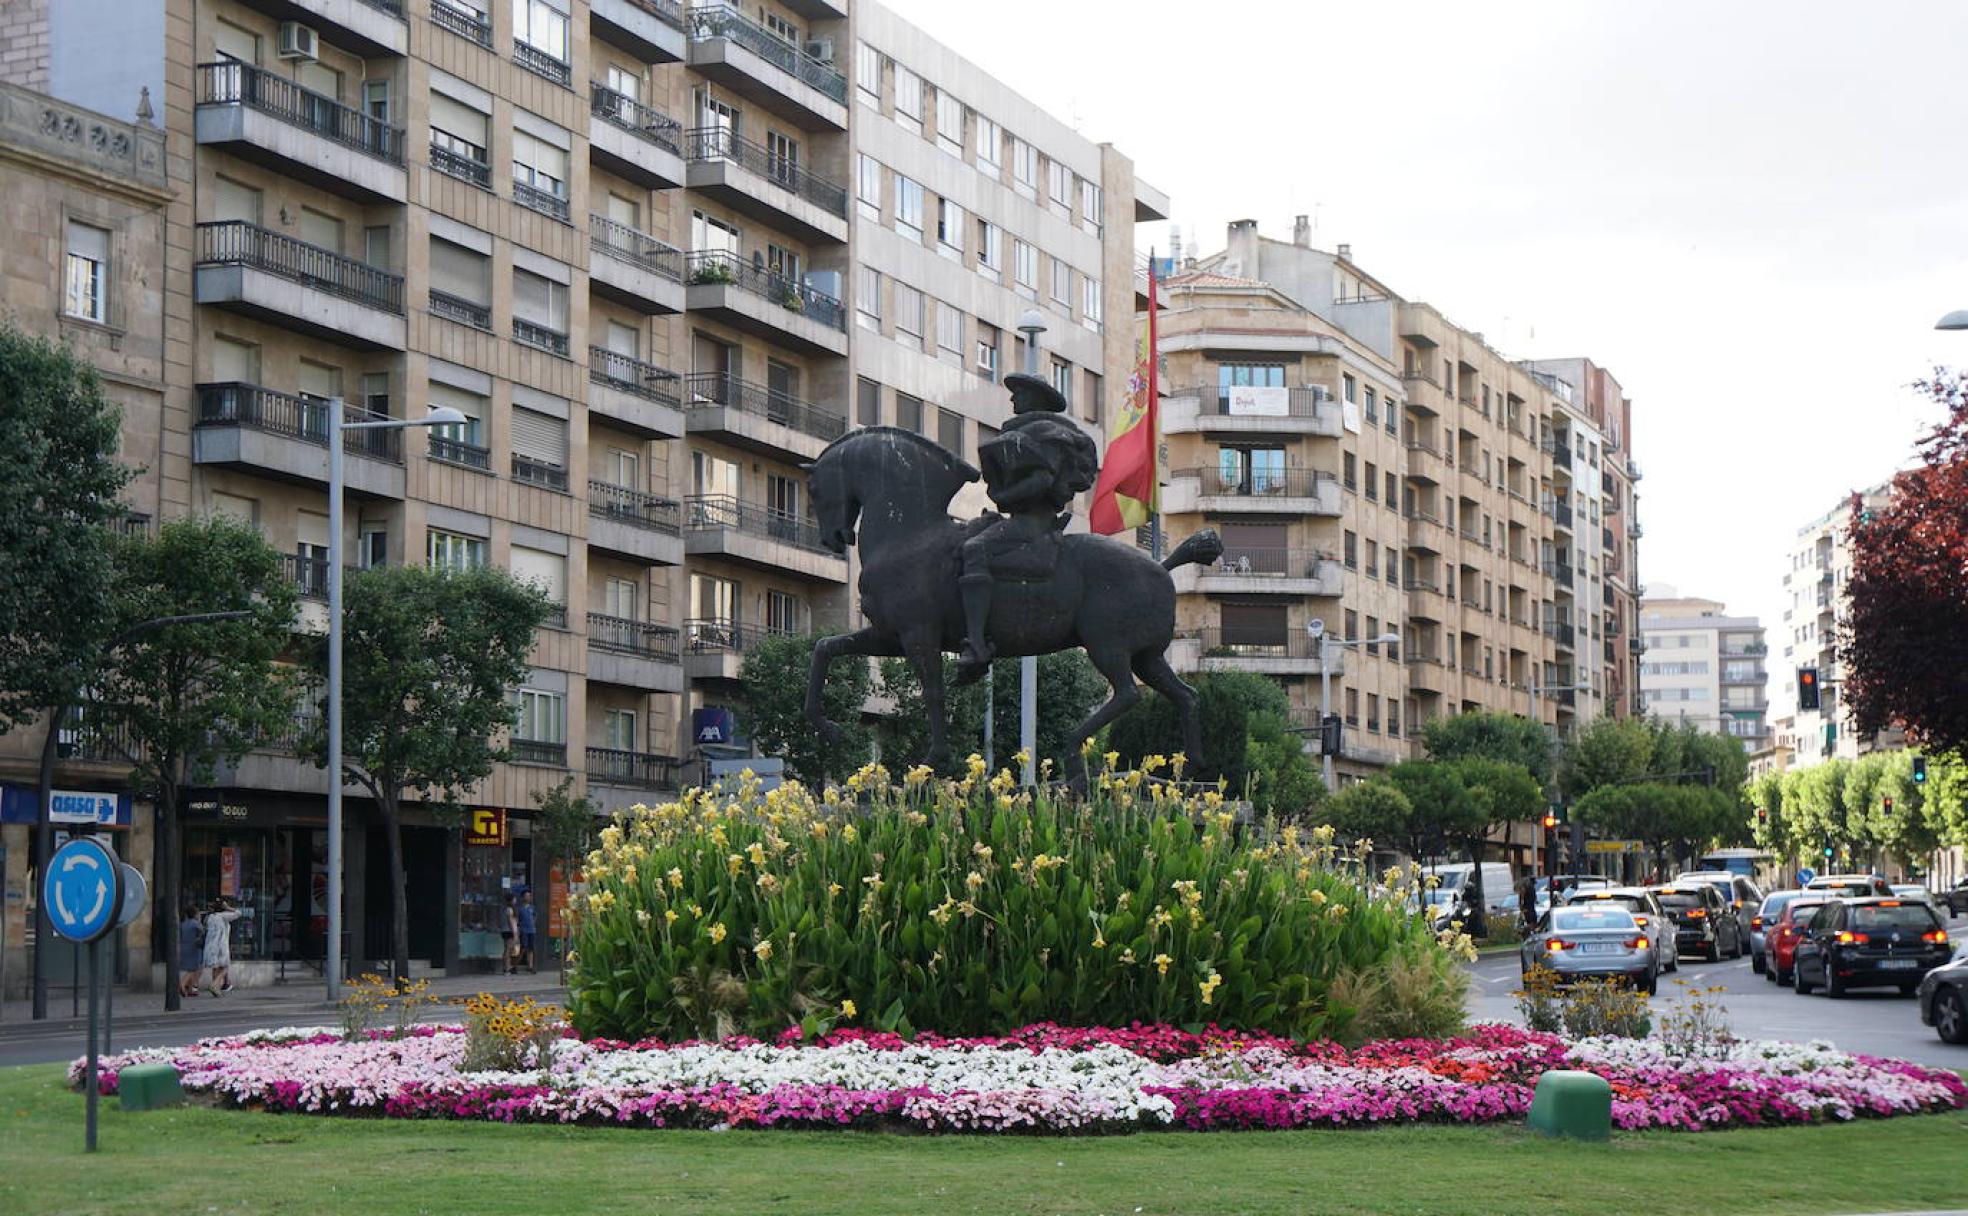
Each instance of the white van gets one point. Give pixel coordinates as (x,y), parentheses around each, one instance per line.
(1447,901)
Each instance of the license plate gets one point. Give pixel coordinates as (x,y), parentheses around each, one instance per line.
(1899,964)
(1600,948)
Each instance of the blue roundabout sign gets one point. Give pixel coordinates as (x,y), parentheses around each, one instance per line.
(83,890)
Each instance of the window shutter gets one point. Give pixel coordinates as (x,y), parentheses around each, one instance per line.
(456,118)
(88,242)
(538,436)
(1254,625)
(458,271)
(547,571)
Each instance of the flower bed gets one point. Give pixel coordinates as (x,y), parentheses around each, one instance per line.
(1044,1079)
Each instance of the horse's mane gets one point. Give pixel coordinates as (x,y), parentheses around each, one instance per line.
(950,459)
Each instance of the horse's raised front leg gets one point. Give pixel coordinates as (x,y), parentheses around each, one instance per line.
(925,653)
(869,641)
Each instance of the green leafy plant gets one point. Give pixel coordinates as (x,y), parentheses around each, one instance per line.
(1539,1001)
(967,906)
(1414,994)
(1606,1009)
(712,273)
(1696,1027)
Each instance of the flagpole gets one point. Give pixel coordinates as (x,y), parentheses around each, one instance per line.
(1155,537)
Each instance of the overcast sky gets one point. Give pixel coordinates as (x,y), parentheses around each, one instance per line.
(1752,213)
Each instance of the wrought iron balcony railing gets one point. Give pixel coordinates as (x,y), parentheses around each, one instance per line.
(235,404)
(453,163)
(639,248)
(712,512)
(719,267)
(620,634)
(634,507)
(1261,483)
(546,202)
(532,333)
(459,451)
(462,21)
(709,390)
(461,310)
(722,21)
(238,243)
(632,375)
(638,770)
(644,122)
(721,143)
(542,63)
(542,473)
(232,83)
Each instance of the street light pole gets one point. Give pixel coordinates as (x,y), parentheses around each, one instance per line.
(338,424)
(1031,323)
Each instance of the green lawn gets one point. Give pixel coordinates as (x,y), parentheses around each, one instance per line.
(201,1160)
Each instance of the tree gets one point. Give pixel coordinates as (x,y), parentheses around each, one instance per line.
(188,697)
(1498,736)
(565,824)
(1069,689)
(1441,810)
(1226,703)
(1499,792)
(1606,752)
(774,679)
(59,492)
(430,659)
(1374,809)
(1907,605)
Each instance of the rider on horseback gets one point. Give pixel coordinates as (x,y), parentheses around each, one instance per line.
(1032,470)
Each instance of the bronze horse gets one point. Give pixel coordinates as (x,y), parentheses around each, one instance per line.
(1109,598)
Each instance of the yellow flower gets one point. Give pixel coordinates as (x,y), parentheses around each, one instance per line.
(763,950)
(975,765)
(973,880)
(1318,897)
(1209,987)
(848,833)
(847,1009)
(1020,759)
(1162,962)
(767,883)
(734,863)
(756,852)
(717,933)
(1177,763)
(1149,764)
(697,910)
(1113,759)
(676,878)
(834,888)
(982,850)
(819,829)
(669,916)
(1127,955)
(1099,942)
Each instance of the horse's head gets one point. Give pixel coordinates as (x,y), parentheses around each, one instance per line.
(898,475)
(835,507)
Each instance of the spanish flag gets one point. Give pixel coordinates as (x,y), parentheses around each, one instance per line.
(1129,490)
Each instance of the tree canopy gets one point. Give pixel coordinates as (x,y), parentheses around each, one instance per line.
(1069,688)
(1497,736)
(774,714)
(1248,743)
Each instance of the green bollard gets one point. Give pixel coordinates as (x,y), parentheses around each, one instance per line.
(1577,1105)
(149,1086)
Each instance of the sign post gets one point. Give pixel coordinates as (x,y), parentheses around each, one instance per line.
(83,890)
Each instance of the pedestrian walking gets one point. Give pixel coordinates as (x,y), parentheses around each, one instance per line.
(218,945)
(527,924)
(509,934)
(191,950)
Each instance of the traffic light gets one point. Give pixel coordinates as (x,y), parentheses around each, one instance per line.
(1330,738)
(1807,688)
(1886,804)
(1828,852)
(1762,816)
(1920,770)
(1550,822)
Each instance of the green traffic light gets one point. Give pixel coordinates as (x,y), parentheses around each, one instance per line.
(1920,770)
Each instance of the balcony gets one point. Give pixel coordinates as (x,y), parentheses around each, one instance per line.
(538,752)
(1209,410)
(1560,512)
(271,121)
(1426,532)
(461,310)
(259,273)
(759,301)
(1561,455)
(453,163)
(1560,571)
(635,525)
(466,23)
(753,180)
(1281,491)
(1264,571)
(284,436)
(756,63)
(633,268)
(1289,653)
(633,141)
(715,649)
(1428,677)
(634,654)
(615,777)
(1566,636)
(651,30)
(367,28)
(540,337)
(543,64)
(1426,601)
(310,575)
(546,202)
(446,450)
(547,476)
(1426,462)
(636,396)
(758,418)
(755,535)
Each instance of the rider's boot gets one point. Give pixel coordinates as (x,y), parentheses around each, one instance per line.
(975,590)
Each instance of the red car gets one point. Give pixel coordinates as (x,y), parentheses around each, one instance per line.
(1780,939)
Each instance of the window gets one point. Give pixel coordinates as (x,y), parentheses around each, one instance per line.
(1373,482)
(1349,471)
(710,234)
(950,430)
(1093,309)
(868,298)
(541,303)
(909,412)
(1373,407)
(1025,269)
(1090,204)
(539,448)
(782,158)
(949,331)
(1352,559)
(1095,403)
(1062,378)
(867,402)
(990,253)
(908,206)
(1254,628)
(1393,711)
(713,476)
(867,74)
(85,275)
(1062,285)
(539,164)
(1373,703)
(1373,568)
(618,730)
(541,26)
(1393,566)
(1352,704)
(908,316)
(987,351)
(453,550)
(779,27)
(459,135)
(713,599)
(1024,167)
(989,141)
(1393,490)
(949,229)
(949,123)
(908,99)
(546,571)
(782,612)
(1350,387)
(1059,185)
(868,185)
(460,283)
(540,716)
(459,442)
(1251,470)
(717,114)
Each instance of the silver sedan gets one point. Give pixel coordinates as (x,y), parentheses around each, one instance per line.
(1593,941)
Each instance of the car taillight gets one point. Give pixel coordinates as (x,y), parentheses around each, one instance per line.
(1555,944)
(1756,922)
(1697,913)
(1848,938)
(1938,937)
(1636,943)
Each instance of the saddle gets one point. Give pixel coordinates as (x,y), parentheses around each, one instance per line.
(1031,562)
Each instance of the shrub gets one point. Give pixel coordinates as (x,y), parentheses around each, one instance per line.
(969,907)
(507,1036)
(1698,1028)
(370,997)
(1585,1009)
(1415,994)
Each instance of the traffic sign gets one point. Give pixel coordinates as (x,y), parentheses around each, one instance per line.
(1614,846)
(136,892)
(83,891)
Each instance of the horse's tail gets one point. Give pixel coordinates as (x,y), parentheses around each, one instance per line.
(1201,549)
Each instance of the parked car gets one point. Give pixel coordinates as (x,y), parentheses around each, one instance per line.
(1568,883)
(1595,941)
(1851,886)
(1759,927)
(1957,898)
(1780,934)
(1449,900)
(1870,943)
(1944,1001)
(1741,893)
(1704,922)
(1647,913)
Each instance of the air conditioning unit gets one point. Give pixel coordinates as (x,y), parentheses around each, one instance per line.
(821,49)
(299,41)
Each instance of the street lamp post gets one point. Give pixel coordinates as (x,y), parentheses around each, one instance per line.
(1316,630)
(338,424)
(1031,323)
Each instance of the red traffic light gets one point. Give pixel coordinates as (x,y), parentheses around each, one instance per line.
(1550,821)
(1887,805)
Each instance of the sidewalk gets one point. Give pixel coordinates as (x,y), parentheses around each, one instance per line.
(295,1002)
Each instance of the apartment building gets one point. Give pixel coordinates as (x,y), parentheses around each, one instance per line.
(1705,667)
(1814,617)
(659,256)
(1376,467)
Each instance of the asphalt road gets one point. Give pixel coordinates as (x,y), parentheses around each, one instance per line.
(1872,1021)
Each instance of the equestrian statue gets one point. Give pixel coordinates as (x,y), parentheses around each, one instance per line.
(1000,585)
